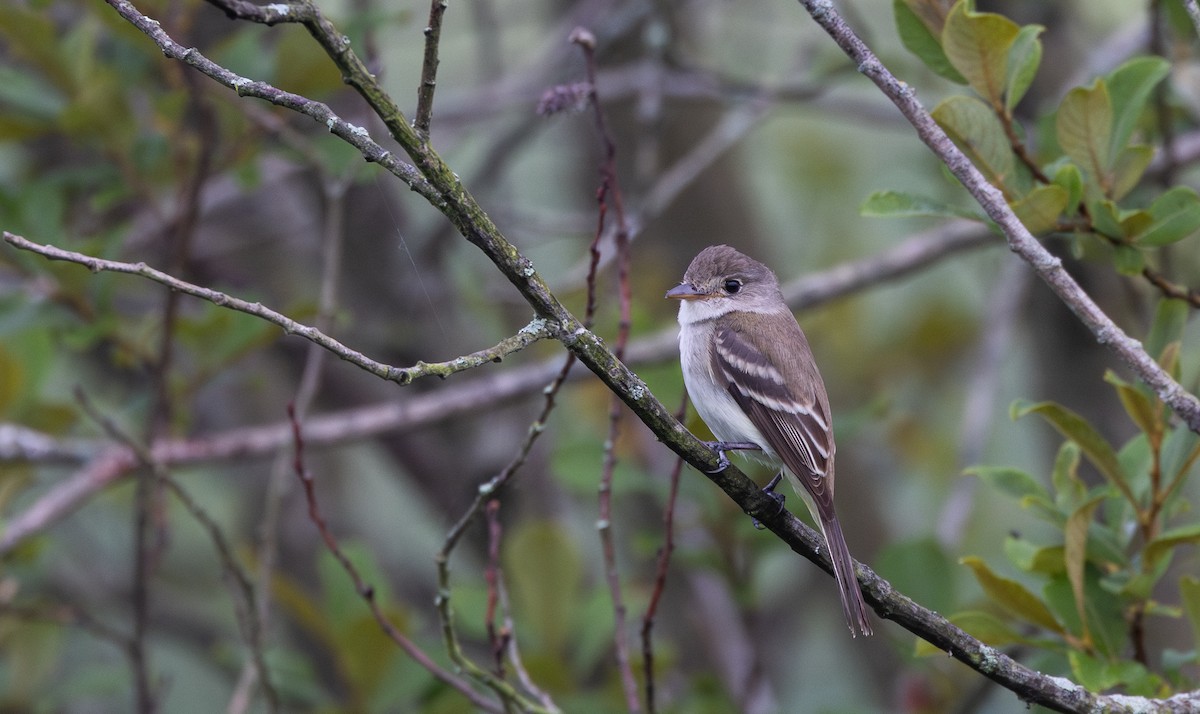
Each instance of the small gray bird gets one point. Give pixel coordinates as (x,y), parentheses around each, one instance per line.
(750,373)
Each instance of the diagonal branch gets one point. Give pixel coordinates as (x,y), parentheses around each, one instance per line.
(1048,267)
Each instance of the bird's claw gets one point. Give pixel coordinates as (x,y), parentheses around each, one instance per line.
(722,446)
(779,498)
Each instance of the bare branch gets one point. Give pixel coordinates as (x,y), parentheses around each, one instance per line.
(536,330)
(356,136)
(429,67)
(21,444)
(364,589)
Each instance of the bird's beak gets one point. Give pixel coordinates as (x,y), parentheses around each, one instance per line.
(685,291)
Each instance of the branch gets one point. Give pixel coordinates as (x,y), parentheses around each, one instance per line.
(534,331)
(364,589)
(21,444)
(450,197)
(1047,267)
(356,136)
(429,67)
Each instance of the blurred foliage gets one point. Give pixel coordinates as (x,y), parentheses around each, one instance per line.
(1077,556)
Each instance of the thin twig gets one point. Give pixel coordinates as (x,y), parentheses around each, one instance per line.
(610,191)
(660,575)
(486,492)
(429,67)
(242,590)
(365,590)
(537,329)
(105,464)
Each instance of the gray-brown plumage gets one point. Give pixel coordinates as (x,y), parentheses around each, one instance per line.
(752,377)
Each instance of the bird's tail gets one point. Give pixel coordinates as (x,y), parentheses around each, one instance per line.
(843,569)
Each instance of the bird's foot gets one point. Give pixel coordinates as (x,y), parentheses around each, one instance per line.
(776,496)
(722,446)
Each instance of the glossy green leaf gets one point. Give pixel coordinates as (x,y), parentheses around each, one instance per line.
(1041,208)
(1024,57)
(1130,86)
(1077,429)
(897,204)
(1075,537)
(1175,214)
(975,129)
(1084,129)
(977,45)
(919,39)
(1012,596)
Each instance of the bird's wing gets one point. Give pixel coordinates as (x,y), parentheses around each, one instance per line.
(794,421)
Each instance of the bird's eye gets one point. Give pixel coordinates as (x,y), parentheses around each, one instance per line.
(733,286)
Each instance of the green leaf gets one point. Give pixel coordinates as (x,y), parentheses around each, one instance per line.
(1071,180)
(983,626)
(1130,86)
(974,127)
(1069,490)
(1040,209)
(1107,217)
(1075,537)
(922,42)
(897,204)
(1128,260)
(977,45)
(1167,541)
(1097,675)
(1084,129)
(1034,558)
(1104,610)
(1175,214)
(1127,170)
(1144,411)
(1012,596)
(1009,480)
(1077,429)
(1189,595)
(1170,317)
(1023,59)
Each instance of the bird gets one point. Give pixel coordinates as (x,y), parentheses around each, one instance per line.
(751,376)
